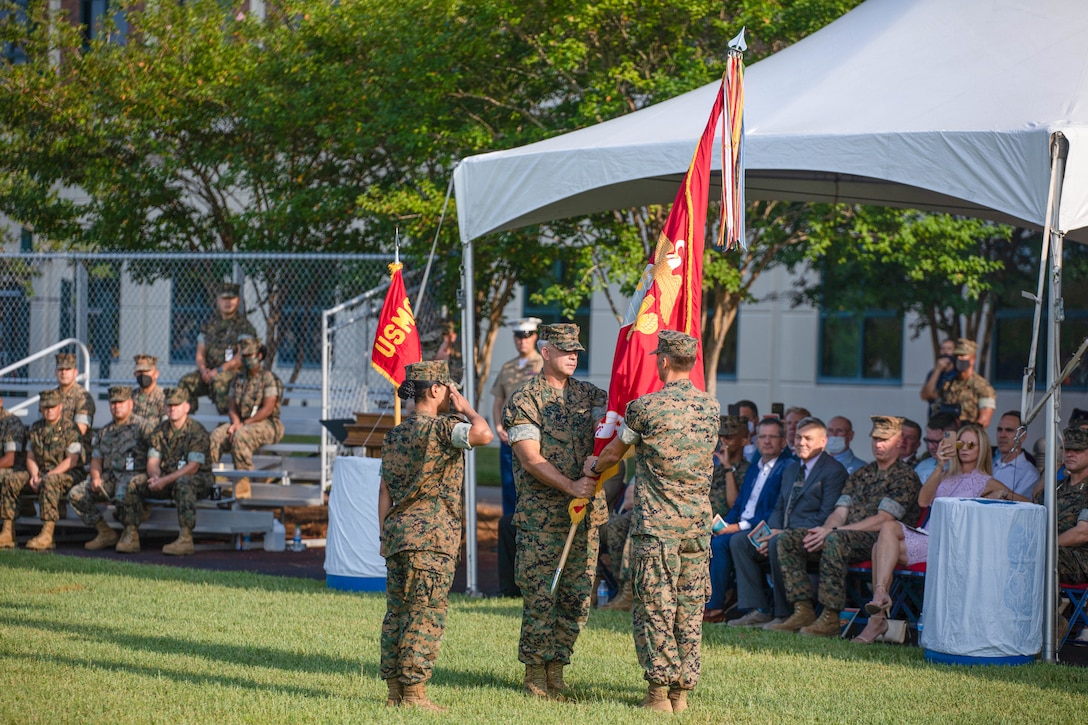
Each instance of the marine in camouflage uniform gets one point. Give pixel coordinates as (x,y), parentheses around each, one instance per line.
(254,414)
(421,508)
(560,424)
(119,454)
(79,407)
(217,352)
(732,427)
(973,393)
(53,464)
(147,400)
(870,491)
(1072,506)
(675,432)
(178,443)
(12,463)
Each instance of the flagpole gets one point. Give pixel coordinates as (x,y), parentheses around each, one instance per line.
(396,261)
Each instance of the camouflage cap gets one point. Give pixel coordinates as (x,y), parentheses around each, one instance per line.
(1076,439)
(49,398)
(965,346)
(120,393)
(145,363)
(175,396)
(248,345)
(65,360)
(430,371)
(674,342)
(732,425)
(563,335)
(885,426)
(229,289)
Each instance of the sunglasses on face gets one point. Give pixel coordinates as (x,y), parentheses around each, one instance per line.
(966,445)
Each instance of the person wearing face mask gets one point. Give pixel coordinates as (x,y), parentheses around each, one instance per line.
(748,409)
(254,413)
(840,433)
(968,395)
(148,401)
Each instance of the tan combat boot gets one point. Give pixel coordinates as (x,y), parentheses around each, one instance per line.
(536,681)
(657,698)
(396,692)
(803,615)
(44,540)
(130,541)
(241,488)
(181,546)
(678,698)
(106,537)
(7,535)
(554,677)
(826,626)
(416,696)
(623,600)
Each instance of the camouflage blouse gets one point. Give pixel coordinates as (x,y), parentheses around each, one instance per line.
(674,431)
(79,409)
(423,467)
(968,394)
(51,444)
(13,438)
(123,448)
(176,448)
(563,421)
(869,490)
(719,502)
(1070,502)
(249,391)
(149,403)
(220,337)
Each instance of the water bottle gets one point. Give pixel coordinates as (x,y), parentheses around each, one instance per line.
(296,542)
(246,543)
(602,593)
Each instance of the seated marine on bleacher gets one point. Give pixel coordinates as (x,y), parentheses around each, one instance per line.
(12,462)
(118,454)
(178,468)
(254,414)
(53,465)
(147,399)
(217,359)
(884,490)
(78,404)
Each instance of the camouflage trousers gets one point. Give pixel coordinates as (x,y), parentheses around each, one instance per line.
(841,549)
(617,542)
(184,492)
(550,625)
(245,441)
(670,585)
(50,491)
(417,595)
(218,390)
(1073,564)
(85,499)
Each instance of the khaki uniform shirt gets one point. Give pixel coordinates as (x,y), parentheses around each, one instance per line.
(675,431)
(423,468)
(564,422)
(512,376)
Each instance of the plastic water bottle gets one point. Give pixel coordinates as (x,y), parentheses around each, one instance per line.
(296,542)
(602,593)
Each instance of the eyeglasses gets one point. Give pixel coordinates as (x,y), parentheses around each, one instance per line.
(966,445)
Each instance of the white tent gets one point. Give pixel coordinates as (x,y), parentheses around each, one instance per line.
(947,105)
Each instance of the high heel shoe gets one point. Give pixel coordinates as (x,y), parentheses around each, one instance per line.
(879,605)
(877,625)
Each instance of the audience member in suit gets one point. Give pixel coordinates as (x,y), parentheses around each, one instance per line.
(755,503)
(810,488)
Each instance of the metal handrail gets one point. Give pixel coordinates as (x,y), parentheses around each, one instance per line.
(80,377)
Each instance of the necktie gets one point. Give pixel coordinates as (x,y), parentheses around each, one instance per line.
(794,495)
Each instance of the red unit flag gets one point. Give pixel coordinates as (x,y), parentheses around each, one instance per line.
(396,342)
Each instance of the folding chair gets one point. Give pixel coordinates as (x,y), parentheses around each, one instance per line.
(1078,595)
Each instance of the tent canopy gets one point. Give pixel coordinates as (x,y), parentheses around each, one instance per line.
(934,104)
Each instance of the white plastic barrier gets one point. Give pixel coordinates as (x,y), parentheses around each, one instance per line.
(984,582)
(353,560)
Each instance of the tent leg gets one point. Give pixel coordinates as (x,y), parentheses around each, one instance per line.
(468,344)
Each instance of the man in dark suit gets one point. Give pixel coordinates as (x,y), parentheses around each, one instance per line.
(810,488)
(754,504)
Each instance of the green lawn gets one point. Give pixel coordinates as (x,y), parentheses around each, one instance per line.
(487,466)
(95,641)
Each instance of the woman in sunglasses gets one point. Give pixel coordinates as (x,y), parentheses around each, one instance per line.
(964,470)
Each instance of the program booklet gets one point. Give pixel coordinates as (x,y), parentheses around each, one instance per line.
(759,531)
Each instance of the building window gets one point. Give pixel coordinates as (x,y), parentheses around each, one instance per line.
(13,53)
(861,347)
(92,14)
(727,360)
(103,314)
(550,313)
(14,328)
(26,240)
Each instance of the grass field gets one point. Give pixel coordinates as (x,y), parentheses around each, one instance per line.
(95,641)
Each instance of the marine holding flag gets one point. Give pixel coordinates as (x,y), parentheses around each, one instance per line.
(550,422)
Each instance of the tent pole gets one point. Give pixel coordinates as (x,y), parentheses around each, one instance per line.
(467,300)
(1059,151)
